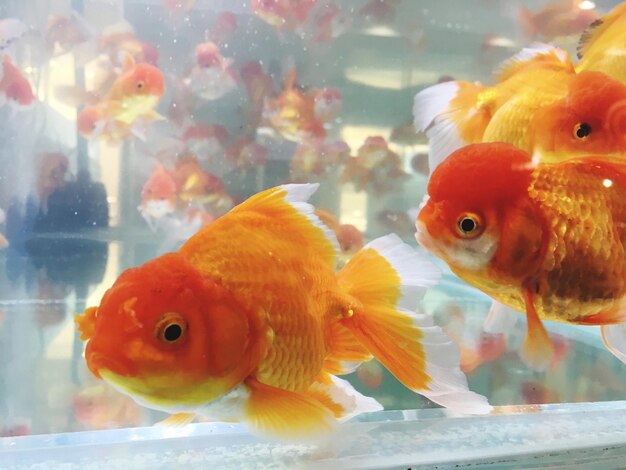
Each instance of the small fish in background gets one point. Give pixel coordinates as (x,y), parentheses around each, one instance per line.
(212,75)
(198,188)
(224,28)
(379,11)
(283,15)
(15,90)
(349,237)
(292,113)
(495,47)
(317,159)
(245,152)
(53,172)
(602,47)
(158,196)
(207,141)
(327,23)
(327,104)
(375,167)
(544,239)
(206,300)
(128,106)
(11,31)
(558,19)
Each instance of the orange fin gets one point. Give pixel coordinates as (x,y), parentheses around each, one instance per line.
(177,420)
(384,276)
(347,353)
(501,319)
(537,350)
(614,338)
(3,241)
(284,414)
(86,323)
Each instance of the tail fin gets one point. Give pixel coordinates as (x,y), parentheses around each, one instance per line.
(453,115)
(382,278)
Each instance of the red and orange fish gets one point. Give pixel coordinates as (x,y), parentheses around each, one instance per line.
(543,239)
(15,89)
(558,19)
(249,322)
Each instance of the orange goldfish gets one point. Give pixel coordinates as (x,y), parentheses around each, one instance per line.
(71,33)
(602,46)
(375,167)
(283,14)
(127,106)
(196,186)
(545,239)
(292,113)
(158,195)
(259,86)
(248,322)
(561,18)
(15,90)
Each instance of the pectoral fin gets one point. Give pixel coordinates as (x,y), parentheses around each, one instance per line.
(275,412)
(537,350)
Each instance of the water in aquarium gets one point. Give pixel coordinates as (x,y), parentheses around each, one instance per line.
(293,137)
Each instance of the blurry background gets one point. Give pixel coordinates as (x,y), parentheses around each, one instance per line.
(76,211)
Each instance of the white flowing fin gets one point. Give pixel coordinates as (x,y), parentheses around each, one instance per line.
(501,319)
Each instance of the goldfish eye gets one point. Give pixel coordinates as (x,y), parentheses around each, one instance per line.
(139,85)
(171,328)
(582,130)
(469,226)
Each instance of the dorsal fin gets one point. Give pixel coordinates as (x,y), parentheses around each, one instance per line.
(127,60)
(598,28)
(538,52)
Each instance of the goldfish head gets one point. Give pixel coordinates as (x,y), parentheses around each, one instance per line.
(591,119)
(328,104)
(141,80)
(208,55)
(170,337)
(88,120)
(477,212)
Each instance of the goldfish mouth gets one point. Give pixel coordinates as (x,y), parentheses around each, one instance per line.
(423,237)
(99,363)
